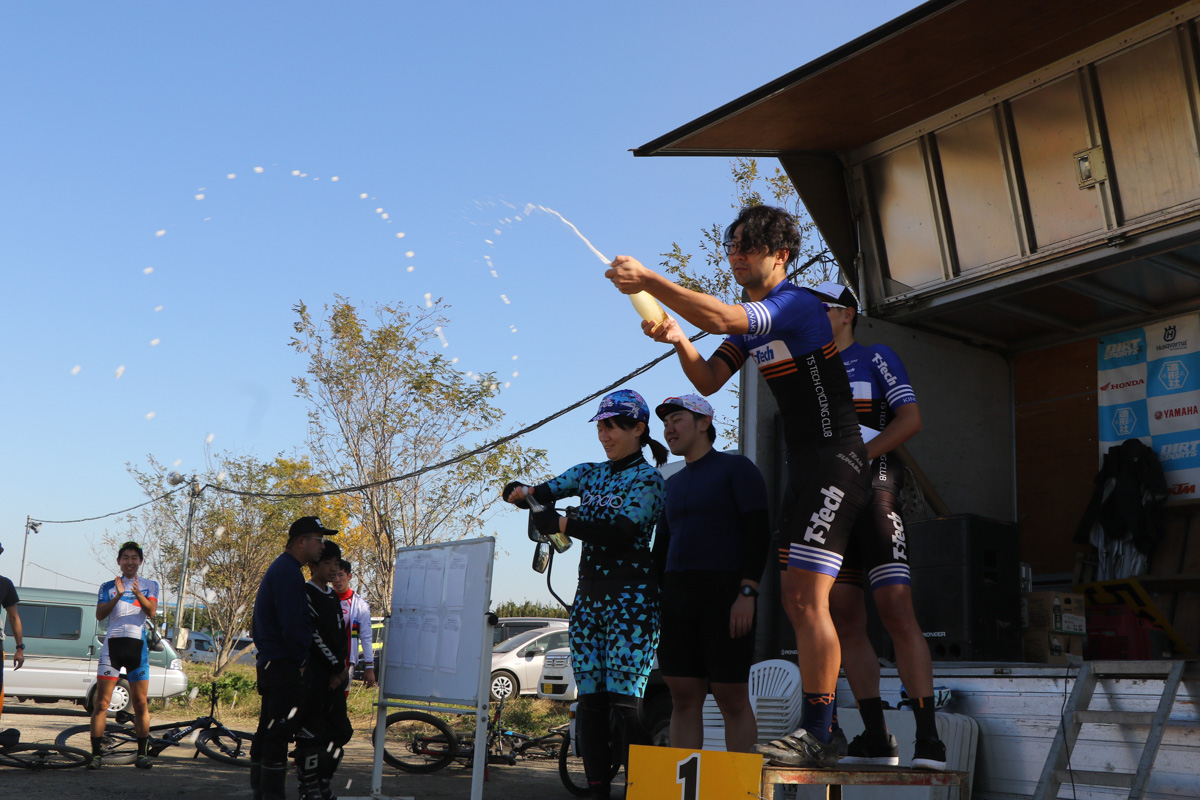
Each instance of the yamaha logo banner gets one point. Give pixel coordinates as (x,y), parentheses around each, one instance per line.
(1148,388)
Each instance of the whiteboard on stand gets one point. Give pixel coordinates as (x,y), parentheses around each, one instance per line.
(440,600)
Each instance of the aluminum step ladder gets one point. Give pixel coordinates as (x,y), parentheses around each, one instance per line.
(1076,713)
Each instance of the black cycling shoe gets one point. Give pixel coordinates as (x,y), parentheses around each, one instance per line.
(929,754)
(144,762)
(839,742)
(870,750)
(800,749)
(95,762)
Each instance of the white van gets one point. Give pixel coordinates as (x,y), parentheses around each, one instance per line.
(62,649)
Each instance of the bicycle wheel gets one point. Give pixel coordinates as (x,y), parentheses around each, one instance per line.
(418,742)
(43,756)
(120,743)
(225,745)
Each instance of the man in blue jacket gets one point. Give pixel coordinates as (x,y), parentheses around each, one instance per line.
(282,632)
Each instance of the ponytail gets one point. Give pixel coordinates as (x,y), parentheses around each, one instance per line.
(657,449)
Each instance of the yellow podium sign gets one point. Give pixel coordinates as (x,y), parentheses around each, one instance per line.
(675,773)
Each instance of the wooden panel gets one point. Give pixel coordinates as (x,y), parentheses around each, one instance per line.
(1148,117)
(899,186)
(1051,126)
(1055,372)
(1055,450)
(977,192)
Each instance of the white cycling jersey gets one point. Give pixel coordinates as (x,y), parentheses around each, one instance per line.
(127,616)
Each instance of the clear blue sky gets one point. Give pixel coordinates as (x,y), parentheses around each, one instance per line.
(136,231)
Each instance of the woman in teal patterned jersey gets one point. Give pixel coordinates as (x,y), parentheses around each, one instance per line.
(614,619)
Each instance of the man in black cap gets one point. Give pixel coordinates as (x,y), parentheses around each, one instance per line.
(282,632)
(9,600)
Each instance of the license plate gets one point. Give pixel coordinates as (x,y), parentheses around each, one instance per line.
(547,688)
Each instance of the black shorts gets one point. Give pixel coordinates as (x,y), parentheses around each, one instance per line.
(124,651)
(695,640)
(878,546)
(830,487)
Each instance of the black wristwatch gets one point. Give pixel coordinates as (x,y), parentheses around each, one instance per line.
(748,591)
(19,647)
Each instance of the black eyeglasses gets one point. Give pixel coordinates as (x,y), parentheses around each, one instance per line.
(732,247)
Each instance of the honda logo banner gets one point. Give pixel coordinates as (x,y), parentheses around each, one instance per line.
(1148,388)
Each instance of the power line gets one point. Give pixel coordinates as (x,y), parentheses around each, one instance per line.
(111,513)
(59,574)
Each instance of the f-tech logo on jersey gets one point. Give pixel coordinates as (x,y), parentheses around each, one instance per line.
(878,361)
(1172,413)
(1122,385)
(763,354)
(598,500)
(899,545)
(1178,450)
(1122,349)
(824,517)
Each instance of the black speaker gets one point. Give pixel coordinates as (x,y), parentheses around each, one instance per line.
(966,589)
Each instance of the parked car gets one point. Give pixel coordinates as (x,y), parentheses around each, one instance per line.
(62,649)
(244,651)
(201,648)
(517,661)
(508,627)
(557,682)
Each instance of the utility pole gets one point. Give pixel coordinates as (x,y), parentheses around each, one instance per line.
(175,479)
(30,527)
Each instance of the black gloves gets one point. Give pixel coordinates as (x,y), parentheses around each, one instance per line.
(508,487)
(546,521)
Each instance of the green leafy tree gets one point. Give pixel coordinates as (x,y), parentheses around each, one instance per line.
(384,402)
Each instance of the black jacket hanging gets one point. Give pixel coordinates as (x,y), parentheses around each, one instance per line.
(1127,501)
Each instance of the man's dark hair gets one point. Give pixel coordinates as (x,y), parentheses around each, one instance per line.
(331,550)
(134,546)
(767,226)
(344,566)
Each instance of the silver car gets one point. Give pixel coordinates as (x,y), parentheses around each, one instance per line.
(517,662)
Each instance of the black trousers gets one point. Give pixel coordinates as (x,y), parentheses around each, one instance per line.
(283,688)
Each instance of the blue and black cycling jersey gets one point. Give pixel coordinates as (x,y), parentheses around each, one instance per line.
(621,502)
(791,341)
(880,385)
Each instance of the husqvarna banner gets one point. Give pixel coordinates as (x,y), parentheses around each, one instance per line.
(1148,388)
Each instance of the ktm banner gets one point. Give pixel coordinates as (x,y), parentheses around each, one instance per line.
(1148,388)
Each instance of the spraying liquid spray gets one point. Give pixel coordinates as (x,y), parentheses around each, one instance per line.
(645,305)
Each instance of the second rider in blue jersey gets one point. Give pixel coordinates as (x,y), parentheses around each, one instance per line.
(889,416)
(614,619)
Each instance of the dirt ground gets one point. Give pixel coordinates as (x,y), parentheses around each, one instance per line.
(177,775)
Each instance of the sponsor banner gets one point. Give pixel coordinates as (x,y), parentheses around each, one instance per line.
(1148,388)
(1182,485)
(1122,385)
(1177,451)
(1178,373)
(1172,336)
(1121,350)
(1175,412)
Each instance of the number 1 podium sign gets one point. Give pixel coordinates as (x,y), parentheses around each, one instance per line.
(666,773)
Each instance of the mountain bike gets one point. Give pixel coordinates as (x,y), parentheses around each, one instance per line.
(37,756)
(211,738)
(415,741)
